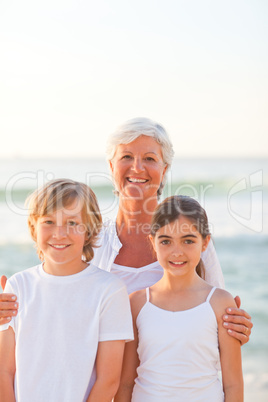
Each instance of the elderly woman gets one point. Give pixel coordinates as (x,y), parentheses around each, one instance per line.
(140,154)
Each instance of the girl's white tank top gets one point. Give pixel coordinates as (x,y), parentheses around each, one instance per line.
(179,355)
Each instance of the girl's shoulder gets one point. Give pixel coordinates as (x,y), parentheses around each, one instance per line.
(220,300)
(137,301)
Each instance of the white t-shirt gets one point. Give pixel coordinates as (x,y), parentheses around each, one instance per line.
(140,278)
(60,321)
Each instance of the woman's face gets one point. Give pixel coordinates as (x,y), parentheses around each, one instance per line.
(138,168)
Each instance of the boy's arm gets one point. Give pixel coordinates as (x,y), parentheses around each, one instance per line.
(7,366)
(230,350)
(131,359)
(108,369)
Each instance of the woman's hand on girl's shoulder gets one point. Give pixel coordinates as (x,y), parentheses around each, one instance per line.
(238,322)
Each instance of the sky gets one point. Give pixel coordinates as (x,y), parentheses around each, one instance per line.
(71,71)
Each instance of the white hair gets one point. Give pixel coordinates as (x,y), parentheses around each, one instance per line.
(134,128)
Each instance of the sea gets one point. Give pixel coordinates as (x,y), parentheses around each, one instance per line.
(234,193)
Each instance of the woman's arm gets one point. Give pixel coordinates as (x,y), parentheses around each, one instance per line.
(230,351)
(7,367)
(237,322)
(131,359)
(8,305)
(108,369)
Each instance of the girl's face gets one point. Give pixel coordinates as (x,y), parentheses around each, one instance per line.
(178,246)
(138,168)
(61,236)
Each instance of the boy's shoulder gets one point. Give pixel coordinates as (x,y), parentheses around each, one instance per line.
(107,278)
(26,273)
(17,280)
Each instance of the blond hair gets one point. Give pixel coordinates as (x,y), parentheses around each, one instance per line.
(60,193)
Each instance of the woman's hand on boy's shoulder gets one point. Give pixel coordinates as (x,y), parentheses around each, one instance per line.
(3,281)
(8,305)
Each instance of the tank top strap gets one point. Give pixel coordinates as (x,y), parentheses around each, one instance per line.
(210,294)
(147,294)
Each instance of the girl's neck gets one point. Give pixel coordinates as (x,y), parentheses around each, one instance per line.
(179,283)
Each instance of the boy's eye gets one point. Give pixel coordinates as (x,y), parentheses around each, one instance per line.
(48,222)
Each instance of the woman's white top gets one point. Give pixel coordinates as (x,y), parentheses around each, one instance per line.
(140,278)
(179,355)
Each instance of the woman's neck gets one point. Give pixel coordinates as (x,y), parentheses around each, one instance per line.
(134,213)
(134,219)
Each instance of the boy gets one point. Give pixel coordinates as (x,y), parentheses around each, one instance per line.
(67,341)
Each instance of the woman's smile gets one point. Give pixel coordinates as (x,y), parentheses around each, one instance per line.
(138,168)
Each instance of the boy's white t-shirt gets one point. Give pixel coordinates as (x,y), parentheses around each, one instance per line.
(60,321)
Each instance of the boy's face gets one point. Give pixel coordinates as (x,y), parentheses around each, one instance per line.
(61,236)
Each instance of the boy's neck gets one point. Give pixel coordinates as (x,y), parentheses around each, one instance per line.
(64,269)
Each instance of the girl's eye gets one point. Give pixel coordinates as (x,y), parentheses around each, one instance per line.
(165,242)
(188,241)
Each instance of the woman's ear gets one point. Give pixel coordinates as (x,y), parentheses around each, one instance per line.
(206,242)
(111,166)
(164,172)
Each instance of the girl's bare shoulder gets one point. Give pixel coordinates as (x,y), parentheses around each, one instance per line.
(137,301)
(220,300)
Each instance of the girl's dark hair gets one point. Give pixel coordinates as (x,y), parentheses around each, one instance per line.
(180,205)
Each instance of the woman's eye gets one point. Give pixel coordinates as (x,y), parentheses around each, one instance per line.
(189,242)
(150,159)
(72,223)
(126,157)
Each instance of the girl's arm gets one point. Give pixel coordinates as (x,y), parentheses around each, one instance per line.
(8,305)
(131,359)
(108,369)
(236,320)
(230,350)
(7,367)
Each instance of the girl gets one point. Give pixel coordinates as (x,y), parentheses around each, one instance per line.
(179,337)
(61,347)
